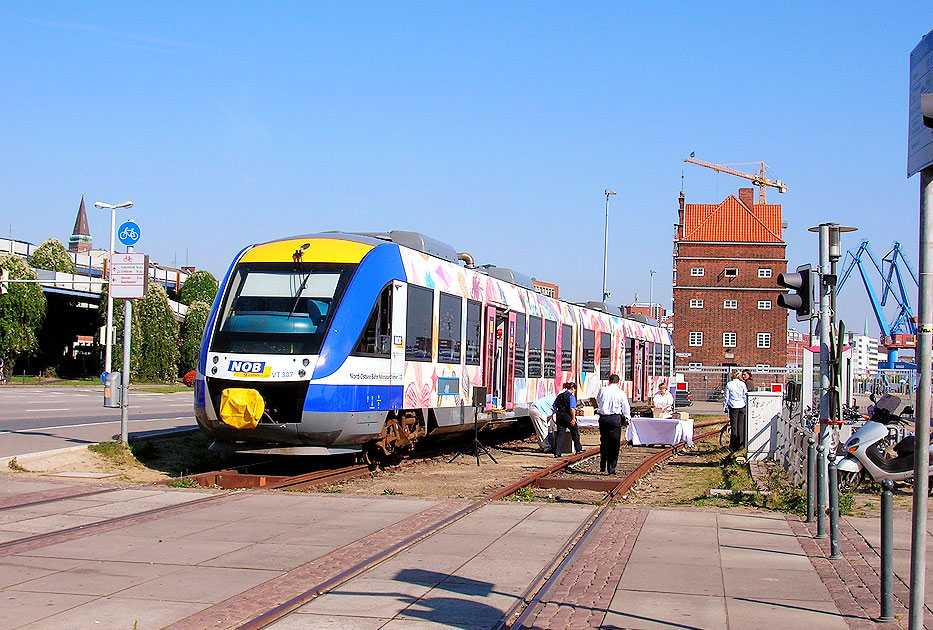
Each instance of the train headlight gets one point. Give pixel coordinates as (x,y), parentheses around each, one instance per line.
(216,359)
(305,361)
(301,373)
(214,370)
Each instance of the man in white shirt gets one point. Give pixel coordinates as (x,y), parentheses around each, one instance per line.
(611,405)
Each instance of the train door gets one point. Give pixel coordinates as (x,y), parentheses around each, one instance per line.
(638,371)
(509,393)
(489,361)
(397,354)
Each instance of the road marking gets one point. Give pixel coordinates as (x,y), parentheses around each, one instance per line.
(86,424)
(180,405)
(51,409)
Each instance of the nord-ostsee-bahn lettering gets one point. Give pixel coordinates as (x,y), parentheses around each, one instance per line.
(340,343)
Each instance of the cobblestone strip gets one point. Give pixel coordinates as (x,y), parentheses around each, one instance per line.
(853,580)
(239,609)
(582,597)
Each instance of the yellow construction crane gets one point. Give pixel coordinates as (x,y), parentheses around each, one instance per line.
(758,178)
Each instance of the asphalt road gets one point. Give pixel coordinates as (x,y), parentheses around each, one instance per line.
(37,419)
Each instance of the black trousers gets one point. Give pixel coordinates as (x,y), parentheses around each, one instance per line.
(562,428)
(610,439)
(737,424)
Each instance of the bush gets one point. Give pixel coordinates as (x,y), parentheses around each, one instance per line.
(52,256)
(22,310)
(200,286)
(192,329)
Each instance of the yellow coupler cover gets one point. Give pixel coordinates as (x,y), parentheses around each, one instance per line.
(241,408)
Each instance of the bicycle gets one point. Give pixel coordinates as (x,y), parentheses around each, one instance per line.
(725,434)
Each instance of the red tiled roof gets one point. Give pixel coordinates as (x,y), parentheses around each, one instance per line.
(732,221)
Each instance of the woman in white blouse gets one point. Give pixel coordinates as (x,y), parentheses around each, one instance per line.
(733,403)
(663,401)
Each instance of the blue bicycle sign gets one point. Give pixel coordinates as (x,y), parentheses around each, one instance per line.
(128,233)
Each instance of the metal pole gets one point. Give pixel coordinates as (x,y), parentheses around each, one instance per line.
(821,492)
(125,398)
(887,551)
(833,509)
(108,351)
(811,479)
(606,246)
(651,292)
(825,362)
(918,540)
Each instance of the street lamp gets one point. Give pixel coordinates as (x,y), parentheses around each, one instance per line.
(609,192)
(651,292)
(113,229)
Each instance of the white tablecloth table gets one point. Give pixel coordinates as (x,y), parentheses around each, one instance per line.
(668,431)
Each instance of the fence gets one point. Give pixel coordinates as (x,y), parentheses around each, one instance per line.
(708,383)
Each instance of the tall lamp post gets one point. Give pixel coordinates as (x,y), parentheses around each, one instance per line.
(609,192)
(651,292)
(113,229)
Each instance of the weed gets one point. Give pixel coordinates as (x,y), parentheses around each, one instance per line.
(114,453)
(390,491)
(14,465)
(523,494)
(184,482)
(331,490)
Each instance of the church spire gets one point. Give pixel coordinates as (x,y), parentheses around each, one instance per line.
(80,240)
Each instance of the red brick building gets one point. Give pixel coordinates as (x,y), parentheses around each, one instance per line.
(727,257)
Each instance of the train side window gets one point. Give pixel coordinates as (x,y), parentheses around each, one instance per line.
(629,360)
(449,330)
(550,349)
(520,345)
(566,348)
(605,355)
(534,347)
(377,338)
(419,337)
(474,330)
(589,350)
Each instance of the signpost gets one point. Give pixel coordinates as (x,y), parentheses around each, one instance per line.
(919,137)
(129,280)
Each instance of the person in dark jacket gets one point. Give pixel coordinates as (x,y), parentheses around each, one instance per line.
(565,413)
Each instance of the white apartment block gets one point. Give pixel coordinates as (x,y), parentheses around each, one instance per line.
(864,355)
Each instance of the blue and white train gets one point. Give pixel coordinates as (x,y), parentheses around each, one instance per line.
(337,343)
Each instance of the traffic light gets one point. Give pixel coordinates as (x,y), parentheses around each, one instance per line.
(4,276)
(801,297)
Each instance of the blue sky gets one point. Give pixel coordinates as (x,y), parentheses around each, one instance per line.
(494,127)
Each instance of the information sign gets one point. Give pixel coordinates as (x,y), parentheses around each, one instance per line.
(129,276)
(128,233)
(919,137)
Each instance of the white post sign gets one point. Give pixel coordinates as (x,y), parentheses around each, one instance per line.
(129,276)
(919,137)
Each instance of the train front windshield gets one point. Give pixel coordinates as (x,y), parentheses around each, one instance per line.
(279,308)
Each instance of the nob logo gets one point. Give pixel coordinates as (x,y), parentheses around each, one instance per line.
(248,367)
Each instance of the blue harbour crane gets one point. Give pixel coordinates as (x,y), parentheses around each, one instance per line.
(894,270)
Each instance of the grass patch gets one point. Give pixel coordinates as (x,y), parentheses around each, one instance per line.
(14,465)
(114,453)
(522,494)
(183,482)
(390,492)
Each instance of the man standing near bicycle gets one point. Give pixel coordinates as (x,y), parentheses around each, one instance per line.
(734,403)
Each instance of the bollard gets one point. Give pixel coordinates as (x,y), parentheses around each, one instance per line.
(820,492)
(811,479)
(833,509)
(887,551)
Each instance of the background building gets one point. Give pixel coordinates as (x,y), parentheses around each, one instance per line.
(727,257)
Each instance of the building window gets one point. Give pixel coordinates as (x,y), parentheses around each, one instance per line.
(696,271)
(534,347)
(764,305)
(449,329)
(696,338)
(764,273)
(731,304)
(419,328)
(729,339)
(474,328)
(695,366)
(762,367)
(764,340)
(696,303)
(730,272)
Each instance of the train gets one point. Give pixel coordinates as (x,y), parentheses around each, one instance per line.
(342,343)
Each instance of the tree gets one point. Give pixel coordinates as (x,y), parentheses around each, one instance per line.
(192,329)
(200,285)
(53,256)
(22,309)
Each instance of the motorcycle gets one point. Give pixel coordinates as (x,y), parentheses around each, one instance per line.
(879,449)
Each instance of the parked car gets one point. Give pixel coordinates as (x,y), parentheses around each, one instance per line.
(682,398)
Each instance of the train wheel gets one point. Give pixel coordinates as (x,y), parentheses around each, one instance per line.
(400,432)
